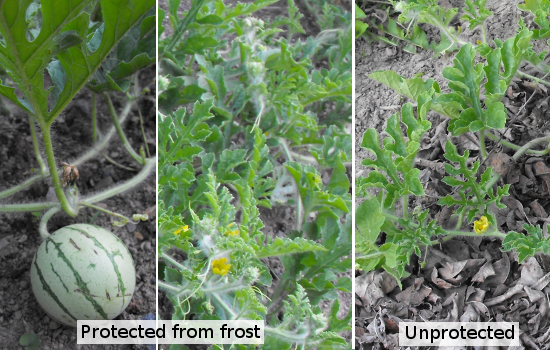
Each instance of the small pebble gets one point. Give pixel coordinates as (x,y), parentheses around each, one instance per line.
(57,332)
(18,315)
(54,325)
(24,284)
(22,239)
(131,227)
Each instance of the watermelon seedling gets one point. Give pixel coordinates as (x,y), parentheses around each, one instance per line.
(83,272)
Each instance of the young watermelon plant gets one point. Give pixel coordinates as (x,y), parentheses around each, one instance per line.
(252,123)
(476,83)
(49,51)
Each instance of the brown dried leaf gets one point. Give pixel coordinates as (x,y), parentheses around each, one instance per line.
(538,210)
(531,272)
(415,294)
(534,295)
(485,271)
(367,288)
(470,314)
(439,282)
(450,270)
(502,270)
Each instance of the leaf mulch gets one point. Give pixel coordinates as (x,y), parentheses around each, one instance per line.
(469,278)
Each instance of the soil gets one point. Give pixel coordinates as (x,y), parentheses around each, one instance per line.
(19,239)
(375,103)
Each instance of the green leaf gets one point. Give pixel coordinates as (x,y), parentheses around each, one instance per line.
(29,340)
(475,13)
(465,80)
(369,218)
(527,246)
(398,155)
(474,195)
(135,51)
(413,88)
(421,11)
(64,36)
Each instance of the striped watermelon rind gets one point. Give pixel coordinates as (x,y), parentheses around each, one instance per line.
(83,272)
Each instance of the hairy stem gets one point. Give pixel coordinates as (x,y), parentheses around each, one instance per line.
(43,227)
(494,233)
(29,207)
(183,25)
(405,202)
(143,133)
(482,149)
(533,78)
(142,175)
(41,164)
(47,139)
(20,187)
(530,144)
(117,164)
(117,215)
(516,147)
(299,205)
(120,132)
(94,117)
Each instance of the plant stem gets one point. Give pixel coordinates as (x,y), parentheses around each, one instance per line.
(459,220)
(482,144)
(41,164)
(46,137)
(304,158)
(26,207)
(94,119)
(287,336)
(183,25)
(226,287)
(299,205)
(516,147)
(484,33)
(22,186)
(530,144)
(528,76)
(43,227)
(405,202)
(168,287)
(143,133)
(142,175)
(455,232)
(106,139)
(172,261)
(120,216)
(30,207)
(115,163)
(120,132)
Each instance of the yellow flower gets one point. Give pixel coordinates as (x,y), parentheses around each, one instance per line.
(220,266)
(233,232)
(184,228)
(481,225)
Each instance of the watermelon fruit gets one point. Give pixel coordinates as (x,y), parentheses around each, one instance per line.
(83,272)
